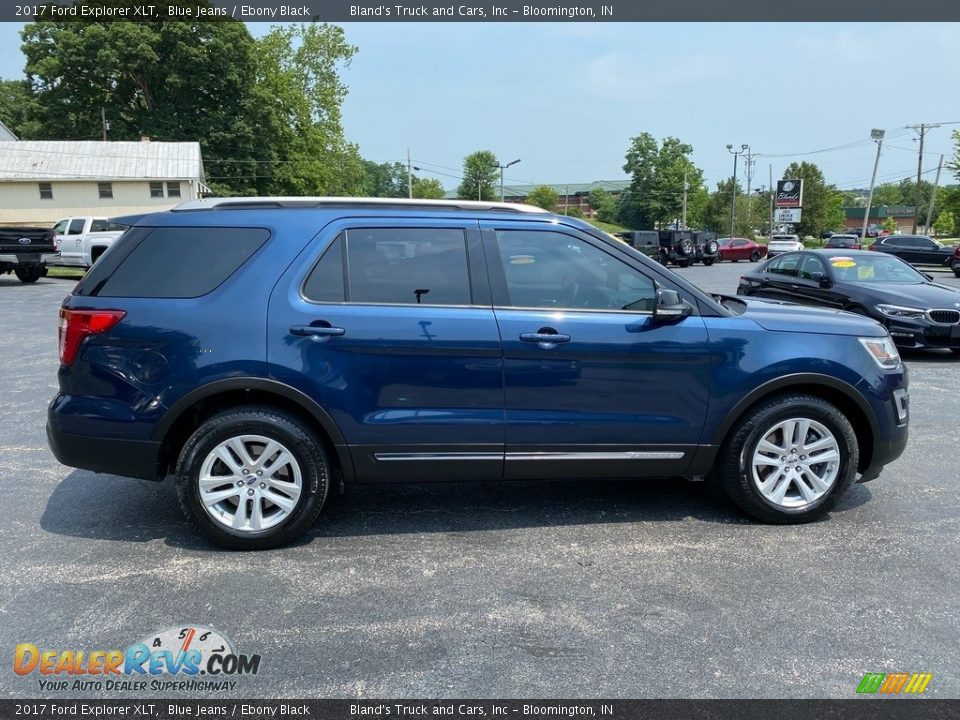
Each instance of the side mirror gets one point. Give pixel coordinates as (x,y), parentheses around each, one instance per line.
(670,307)
(821,279)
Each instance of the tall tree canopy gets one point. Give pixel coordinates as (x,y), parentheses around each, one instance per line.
(266,112)
(480,176)
(656,186)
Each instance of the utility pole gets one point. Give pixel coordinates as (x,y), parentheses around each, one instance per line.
(409,175)
(933,195)
(877,137)
(103,122)
(750,163)
(502,168)
(733,202)
(686,189)
(921,130)
(772,193)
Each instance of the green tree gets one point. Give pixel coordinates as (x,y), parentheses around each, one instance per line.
(657,175)
(266,112)
(946,224)
(17,108)
(716,212)
(428,189)
(480,177)
(603,204)
(890,225)
(387,180)
(543,196)
(298,89)
(821,202)
(888,194)
(573,211)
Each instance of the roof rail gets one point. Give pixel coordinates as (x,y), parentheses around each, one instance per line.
(261,203)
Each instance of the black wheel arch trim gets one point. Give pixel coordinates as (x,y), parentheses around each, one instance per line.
(787,382)
(304,401)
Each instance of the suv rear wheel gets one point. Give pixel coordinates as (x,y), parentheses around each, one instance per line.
(252,478)
(790,459)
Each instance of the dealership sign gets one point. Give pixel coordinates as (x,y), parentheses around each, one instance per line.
(789,194)
(787,215)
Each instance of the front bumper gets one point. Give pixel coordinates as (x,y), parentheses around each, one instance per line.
(917,334)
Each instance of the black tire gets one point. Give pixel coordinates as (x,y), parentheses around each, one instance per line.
(294,435)
(708,261)
(682,263)
(685,247)
(955,351)
(754,256)
(736,478)
(956,269)
(28,274)
(720,257)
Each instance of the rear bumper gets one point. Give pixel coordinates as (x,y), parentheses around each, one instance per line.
(132,458)
(33,259)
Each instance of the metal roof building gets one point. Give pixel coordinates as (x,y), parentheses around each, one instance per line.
(42,181)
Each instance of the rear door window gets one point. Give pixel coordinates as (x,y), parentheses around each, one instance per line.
(407,266)
(172,262)
(784,265)
(811,265)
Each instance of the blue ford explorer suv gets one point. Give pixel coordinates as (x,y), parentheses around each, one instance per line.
(263,350)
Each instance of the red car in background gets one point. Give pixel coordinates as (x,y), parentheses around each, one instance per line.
(734,249)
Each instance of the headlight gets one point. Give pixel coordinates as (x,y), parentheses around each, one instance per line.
(883,351)
(899,311)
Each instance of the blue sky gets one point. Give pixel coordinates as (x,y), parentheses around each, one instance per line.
(567,97)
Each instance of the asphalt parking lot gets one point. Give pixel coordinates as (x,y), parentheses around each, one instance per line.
(543,589)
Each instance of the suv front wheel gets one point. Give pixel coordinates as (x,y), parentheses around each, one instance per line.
(790,459)
(252,478)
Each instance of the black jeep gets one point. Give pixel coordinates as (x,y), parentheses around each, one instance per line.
(680,247)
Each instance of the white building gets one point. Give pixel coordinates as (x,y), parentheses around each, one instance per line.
(42,181)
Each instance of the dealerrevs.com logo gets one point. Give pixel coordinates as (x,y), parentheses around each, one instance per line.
(189,658)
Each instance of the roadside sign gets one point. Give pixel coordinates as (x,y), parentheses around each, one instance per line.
(789,194)
(787,215)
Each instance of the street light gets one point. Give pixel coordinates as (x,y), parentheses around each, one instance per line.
(733,203)
(877,136)
(502,168)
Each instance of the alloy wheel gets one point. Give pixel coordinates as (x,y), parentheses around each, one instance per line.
(795,463)
(250,483)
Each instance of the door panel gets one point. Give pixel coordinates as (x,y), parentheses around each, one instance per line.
(618,394)
(415,389)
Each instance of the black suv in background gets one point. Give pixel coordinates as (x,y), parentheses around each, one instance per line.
(680,247)
(916,250)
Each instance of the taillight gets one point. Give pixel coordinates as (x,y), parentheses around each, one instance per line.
(75,325)
(54,240)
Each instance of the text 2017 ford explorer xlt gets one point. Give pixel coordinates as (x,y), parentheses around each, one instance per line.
(262,350)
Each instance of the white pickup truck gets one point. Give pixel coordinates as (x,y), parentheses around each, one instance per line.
(84,239)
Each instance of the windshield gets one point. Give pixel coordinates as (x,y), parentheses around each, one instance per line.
(869,269)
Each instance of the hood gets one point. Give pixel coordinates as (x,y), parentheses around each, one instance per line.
(787,317)
(921,295)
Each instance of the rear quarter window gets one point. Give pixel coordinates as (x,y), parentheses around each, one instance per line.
(172,262)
